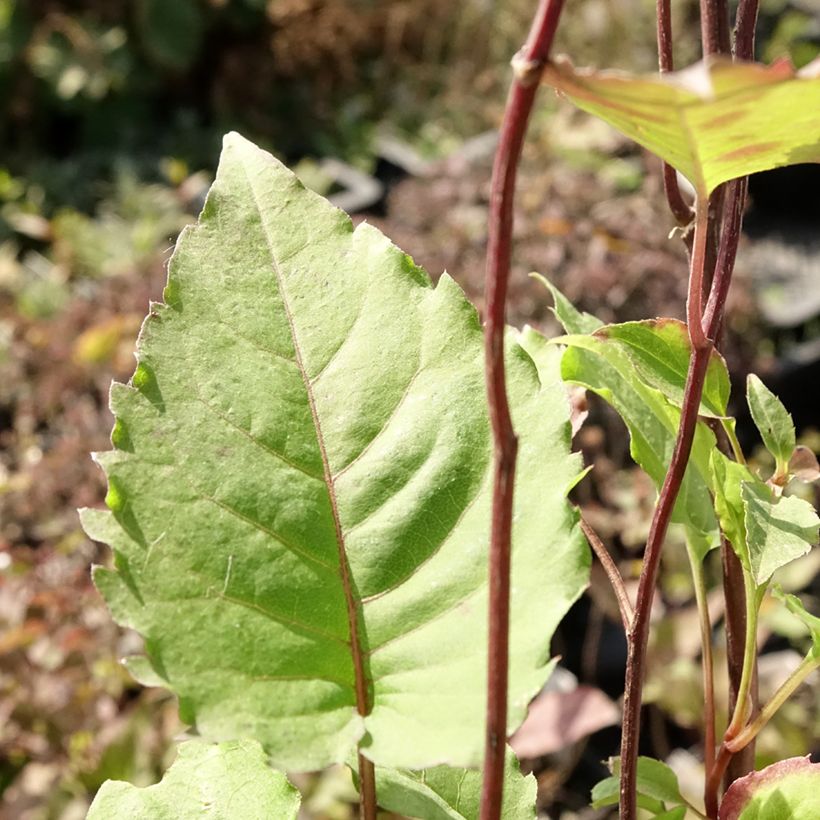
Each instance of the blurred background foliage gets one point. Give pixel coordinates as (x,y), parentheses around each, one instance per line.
(111,117)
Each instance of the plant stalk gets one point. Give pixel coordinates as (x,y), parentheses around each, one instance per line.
(639,633)
(784,692)
(743,702)
(708,663)
(745,24)
(714,27)
(677,204)
(612,573)
(527,68)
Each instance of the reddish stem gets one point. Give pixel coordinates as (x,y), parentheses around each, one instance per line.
(745,24)
(611,570)
(527,67)
(714,27)
(677,204)
(639,633)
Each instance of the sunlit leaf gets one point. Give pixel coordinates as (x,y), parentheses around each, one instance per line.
(727,478)
(772,420)
(572,319)
(778,530)
(444,793)
(305,443)
(223,781)
(605,367)
(789,789)
(715,121)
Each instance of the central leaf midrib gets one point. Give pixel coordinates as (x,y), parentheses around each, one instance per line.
(363,704)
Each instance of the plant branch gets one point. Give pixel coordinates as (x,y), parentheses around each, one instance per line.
(527,67)
(743,702)
(639,633)
(784,692)
(677,204)
(714,26)
(708,664)
(612,574)
(745,24)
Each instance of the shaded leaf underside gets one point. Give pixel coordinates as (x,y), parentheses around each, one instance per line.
(304,448)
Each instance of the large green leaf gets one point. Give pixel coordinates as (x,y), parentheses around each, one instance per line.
(609,367)
(715,121)
(225,781)
(778,530)
(773,421)
(786,790)
(444,793)
(305,443)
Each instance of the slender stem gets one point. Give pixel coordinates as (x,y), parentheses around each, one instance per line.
(729,240)
(694,299)
(677,204)
(612,574)
(639,633)
(527,66)
(737,451)
(743,705)
(735,625)
(787,688)
(699,580)
(714,26)
(745,24)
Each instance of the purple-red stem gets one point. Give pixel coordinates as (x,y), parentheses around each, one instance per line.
(612,573)
(527,67)
(677,204)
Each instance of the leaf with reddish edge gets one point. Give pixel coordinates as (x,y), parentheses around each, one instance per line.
(714,121)
(787,789)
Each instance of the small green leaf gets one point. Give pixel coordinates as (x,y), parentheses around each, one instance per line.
(445,793)
(812,622)
(715,121)
(656,782)
(572,320)
(224,781)
(772,420)
(787,790)
(727,478)
(660,350)
(605,367)
(778,530)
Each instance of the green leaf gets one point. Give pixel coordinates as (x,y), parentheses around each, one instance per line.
(715,121)
(657,784)
(660,350)
(773,421)
(727,479)
(444,793)
(605,367)
(786,789)
(812,622)
(226,781)
(572,320)
(306,436)
(778,530)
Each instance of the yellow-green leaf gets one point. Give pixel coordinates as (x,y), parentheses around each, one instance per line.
(714,121)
